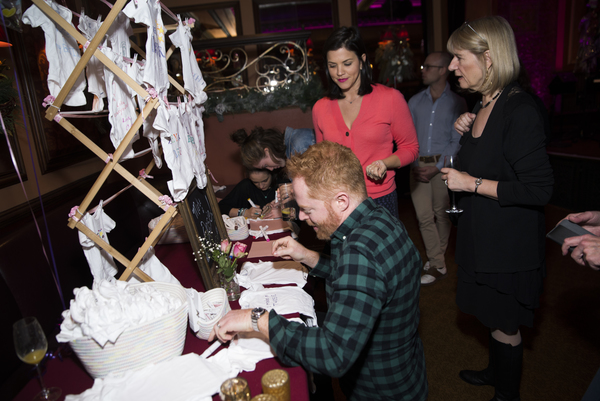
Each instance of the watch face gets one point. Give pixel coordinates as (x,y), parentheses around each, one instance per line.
(258,311)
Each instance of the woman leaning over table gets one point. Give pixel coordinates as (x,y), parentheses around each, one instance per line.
(365,117)
(504,183)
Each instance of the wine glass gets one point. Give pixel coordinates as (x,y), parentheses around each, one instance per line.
(451,161)
(31,346)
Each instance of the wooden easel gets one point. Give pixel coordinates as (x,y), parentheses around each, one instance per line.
(112,163)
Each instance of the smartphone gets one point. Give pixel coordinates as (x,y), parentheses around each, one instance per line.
(566,229)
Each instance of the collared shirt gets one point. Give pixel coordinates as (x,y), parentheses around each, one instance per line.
(369,337)
(434,122)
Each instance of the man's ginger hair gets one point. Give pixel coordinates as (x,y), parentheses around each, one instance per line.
(328,168)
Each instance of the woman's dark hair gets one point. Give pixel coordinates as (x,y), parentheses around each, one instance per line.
(253,146)
(349,38)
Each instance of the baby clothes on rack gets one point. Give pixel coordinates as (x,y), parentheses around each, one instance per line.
(94,69)
(121,107)
(148,130)
(148,12)
(102,264)
(193,82)
(118,35)
(62,52)
(196,155)
(176,156)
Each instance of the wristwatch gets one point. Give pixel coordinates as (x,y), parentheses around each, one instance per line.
(477,184)
(256,314)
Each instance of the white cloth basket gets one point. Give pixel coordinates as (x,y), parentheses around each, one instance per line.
(136,347)
(214,296)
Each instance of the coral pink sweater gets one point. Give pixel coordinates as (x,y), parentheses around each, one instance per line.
(384,118)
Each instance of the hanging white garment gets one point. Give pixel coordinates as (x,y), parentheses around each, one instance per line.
(148,12)
(197,129)
(94,68)
(148,130)
(187,119)
(62,52)
(102,264)
(166,122)
(121,107)
(118,35)
(193,82)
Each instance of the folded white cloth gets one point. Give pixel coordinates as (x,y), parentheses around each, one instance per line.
(185,378)
(110,307)
(243,354)
(254,275)
(284,300)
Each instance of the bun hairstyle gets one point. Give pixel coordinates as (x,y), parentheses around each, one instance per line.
(348,38)
(252,146)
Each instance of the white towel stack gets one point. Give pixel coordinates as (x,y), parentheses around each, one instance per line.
(110,307)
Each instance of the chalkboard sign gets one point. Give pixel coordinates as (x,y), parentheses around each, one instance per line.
(202,217)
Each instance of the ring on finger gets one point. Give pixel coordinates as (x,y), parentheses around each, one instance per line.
(446,182)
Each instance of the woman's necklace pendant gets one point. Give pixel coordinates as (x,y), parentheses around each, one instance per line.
(494,98)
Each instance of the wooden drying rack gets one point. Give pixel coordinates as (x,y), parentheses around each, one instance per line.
(112,163)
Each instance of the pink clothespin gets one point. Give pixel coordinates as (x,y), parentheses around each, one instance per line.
(73,212)
(48,100)
(166,201)
(144,175)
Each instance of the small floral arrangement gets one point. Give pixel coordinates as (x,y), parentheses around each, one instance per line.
(225,255)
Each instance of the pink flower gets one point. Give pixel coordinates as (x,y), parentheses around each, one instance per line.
(239,250)
(225,246)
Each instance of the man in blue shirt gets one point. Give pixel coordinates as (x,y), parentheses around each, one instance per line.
(434,111)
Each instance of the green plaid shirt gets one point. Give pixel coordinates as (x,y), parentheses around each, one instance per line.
(369,338)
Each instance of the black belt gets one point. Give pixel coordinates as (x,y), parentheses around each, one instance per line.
(430,159)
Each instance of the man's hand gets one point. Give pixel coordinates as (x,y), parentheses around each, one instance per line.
(586,252)
(588,220)
(289,248)
(463,123)
(235,321)
(425,174)
(586,247)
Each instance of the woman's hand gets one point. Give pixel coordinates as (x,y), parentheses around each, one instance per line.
(271,211)
(463,123)
(253,212)
(376,170)
(457,181)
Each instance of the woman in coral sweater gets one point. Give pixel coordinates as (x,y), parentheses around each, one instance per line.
(366,117)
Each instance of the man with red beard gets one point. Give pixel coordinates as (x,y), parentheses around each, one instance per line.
(369,337)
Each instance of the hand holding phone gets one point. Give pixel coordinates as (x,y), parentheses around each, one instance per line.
(566,229)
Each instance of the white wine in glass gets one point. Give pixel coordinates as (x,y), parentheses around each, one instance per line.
(451,161)
(31,346)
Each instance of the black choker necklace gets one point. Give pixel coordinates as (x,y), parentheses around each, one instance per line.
(494,98)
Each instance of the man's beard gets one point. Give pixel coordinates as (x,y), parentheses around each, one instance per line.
(327,227)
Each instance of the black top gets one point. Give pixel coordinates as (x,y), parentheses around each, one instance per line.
(238,197)
(508,234)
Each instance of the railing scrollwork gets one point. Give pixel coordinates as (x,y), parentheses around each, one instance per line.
(285,61)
